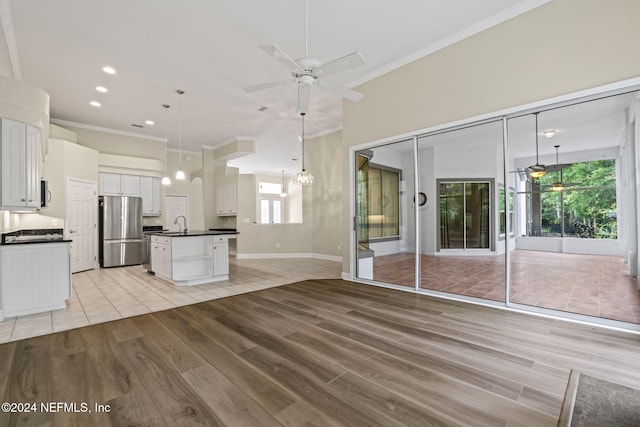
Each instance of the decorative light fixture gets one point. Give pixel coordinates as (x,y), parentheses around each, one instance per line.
(283,192)
(537,170)
(180,174)
(549,133)
(303,177)
(165,179)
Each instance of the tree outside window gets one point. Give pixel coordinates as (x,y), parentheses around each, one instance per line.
(586,208)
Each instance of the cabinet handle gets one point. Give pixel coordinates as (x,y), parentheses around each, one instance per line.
(23,200)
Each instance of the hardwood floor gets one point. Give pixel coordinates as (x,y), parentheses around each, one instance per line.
(313,353)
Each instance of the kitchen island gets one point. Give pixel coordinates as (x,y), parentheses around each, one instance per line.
(190,258)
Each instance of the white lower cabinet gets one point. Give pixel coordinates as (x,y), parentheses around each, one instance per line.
(220,255)
(190,260)
(161,256)
(34,278)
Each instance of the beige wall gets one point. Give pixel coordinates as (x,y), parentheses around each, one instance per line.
(324,161)
(66,160)
(192,186)
(559,48)
(124,145)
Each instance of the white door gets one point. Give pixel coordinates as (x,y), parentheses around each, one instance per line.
(174,207)
(82,213)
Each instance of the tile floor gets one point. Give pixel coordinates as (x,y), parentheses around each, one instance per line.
(592,285)
(103,295)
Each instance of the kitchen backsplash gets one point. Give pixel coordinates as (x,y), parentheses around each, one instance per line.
(14,221)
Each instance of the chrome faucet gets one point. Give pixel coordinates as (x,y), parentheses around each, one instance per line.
(184,222)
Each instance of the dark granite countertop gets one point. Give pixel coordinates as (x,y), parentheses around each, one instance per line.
(24,237)
(192,233)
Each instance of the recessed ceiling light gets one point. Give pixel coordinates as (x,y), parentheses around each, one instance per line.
(109,70)
(102,89)
(549,133)
(149,122)
(95,104)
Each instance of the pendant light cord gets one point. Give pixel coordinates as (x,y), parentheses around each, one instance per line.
(180,92)
(302,114)
(537,161)
(166,139)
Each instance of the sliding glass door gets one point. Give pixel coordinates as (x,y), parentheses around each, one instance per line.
(536,210)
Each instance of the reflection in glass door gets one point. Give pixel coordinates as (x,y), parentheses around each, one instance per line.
(384,223)
(465,211)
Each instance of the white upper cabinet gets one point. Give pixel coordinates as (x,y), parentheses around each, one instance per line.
(150,190)
(227,198)
(21,165)
(114,184)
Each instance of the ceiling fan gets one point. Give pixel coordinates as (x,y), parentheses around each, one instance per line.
(308,72)
(538,170)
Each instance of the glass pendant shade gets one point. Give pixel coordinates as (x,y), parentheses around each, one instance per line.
(303,178)
(166,180)
(180,174)
(557,186)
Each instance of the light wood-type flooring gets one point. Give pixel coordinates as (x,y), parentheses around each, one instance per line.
(313,353)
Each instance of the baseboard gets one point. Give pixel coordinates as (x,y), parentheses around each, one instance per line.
(290,255)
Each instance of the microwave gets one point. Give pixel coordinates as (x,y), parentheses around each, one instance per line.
(45,195)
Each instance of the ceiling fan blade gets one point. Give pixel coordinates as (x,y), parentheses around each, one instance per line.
(557,167)
(304,93)
(263,86)
(276,53)
(344,63)
(342,91)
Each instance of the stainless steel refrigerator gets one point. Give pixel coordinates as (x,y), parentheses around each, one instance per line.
(121,239)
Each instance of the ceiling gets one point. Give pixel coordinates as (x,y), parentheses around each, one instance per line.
(209,49)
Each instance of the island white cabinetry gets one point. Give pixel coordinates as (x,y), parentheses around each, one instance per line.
(34,278)
(21,166)
(187,260)
(220,255)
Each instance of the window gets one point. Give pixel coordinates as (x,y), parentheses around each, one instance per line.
(464,215)
(503,212)
(585,208)
(383,202)
(272,206)
(271,210)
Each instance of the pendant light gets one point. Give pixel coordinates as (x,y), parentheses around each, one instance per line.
(283,192)
(165,179)
(558,185)
(537,170)
(303,177)
(180,174)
